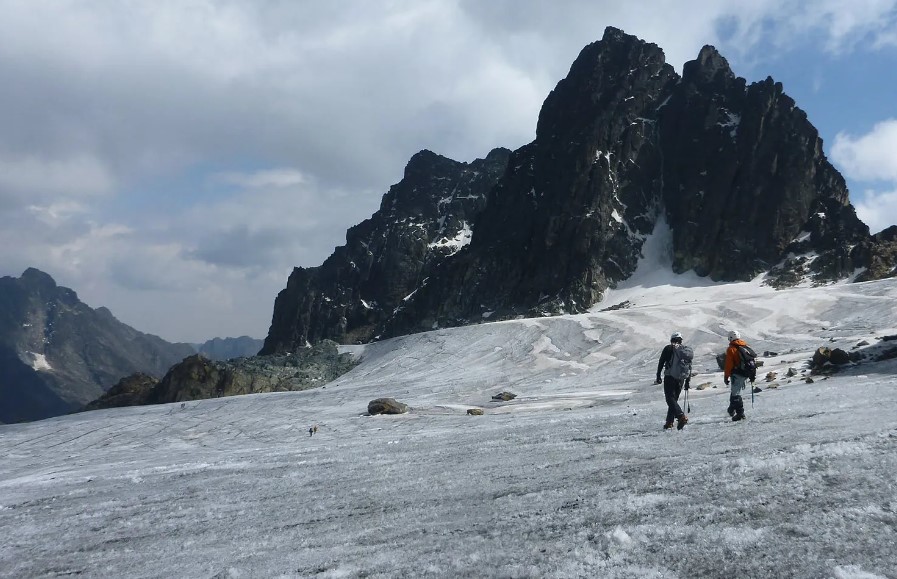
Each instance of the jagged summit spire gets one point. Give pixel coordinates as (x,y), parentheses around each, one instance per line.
(614,33)
(710,66)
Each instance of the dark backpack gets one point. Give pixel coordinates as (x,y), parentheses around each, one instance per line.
(747,365)
(680,362)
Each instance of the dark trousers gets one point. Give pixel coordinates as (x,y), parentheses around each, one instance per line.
(672,388)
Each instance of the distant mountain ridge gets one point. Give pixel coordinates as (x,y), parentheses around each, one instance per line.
(227,348)
(57,353)
(736,170)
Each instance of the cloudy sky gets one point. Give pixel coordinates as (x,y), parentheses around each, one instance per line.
(174,159)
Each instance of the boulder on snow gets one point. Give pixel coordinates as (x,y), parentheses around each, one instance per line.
(839,356)
(386,406)
(475,411)
(821,356)
(770,376)
(504,396)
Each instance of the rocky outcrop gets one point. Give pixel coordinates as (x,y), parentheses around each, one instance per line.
(736,170)
(133,390)
(57,353)
(880,256)
(197,377)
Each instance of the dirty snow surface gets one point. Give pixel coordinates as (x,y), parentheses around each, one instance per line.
(572,478)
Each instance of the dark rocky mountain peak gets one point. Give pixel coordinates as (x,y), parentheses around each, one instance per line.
(737,172)
(57,353)
(424,220)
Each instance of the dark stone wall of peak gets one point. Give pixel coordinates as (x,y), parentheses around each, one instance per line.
(423,220)
(736,170)
(744,175)
(593,176)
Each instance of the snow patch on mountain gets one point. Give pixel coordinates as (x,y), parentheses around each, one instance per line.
(39,362)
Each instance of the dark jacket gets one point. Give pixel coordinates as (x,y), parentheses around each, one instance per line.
(665,357)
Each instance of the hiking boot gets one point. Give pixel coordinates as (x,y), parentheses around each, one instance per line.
(668,426)
(682,421)
(731,411)
(738,417)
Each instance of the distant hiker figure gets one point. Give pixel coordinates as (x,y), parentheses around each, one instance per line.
(313,430)
(739,368)
(675,363)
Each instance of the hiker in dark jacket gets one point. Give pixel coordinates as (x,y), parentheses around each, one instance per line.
(732,373)
(672,386)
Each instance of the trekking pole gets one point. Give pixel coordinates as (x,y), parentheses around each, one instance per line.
(687,404)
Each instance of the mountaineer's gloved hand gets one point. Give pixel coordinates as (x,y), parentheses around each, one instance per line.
(658,380)
(726,380)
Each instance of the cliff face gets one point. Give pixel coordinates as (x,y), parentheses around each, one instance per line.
(422,222)
(57,353)
(744,175)
(736,170)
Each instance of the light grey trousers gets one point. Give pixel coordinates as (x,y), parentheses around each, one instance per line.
(737,381)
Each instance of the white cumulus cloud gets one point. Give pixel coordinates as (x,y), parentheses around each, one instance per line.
(869,157)
(878,209)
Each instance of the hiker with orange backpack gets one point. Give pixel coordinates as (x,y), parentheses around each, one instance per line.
(740,367)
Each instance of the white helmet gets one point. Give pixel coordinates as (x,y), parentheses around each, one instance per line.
(676,337)
(734,335)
